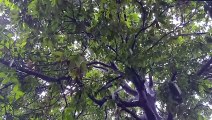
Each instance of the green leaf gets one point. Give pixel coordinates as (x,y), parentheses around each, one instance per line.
(23,44)
(18,93)
(2,75)
(128,23)
(180,40)
(58,55)
(68,115)
(134,17)
(53,2)
(200,117)
(32,8)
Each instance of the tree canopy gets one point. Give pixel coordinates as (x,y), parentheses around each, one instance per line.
(105,59)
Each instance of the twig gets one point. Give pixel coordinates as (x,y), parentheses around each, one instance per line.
(157,42)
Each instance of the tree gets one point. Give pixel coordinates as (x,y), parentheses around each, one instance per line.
(105,59)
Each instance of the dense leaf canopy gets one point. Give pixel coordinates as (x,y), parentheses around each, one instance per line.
(105,59)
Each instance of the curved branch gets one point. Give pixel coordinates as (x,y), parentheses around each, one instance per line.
(128,89)
(101,101)
(112,65)
(34,73)
(128,111)
(108,84)
(100,63)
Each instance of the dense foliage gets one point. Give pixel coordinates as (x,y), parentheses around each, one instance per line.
(105,59)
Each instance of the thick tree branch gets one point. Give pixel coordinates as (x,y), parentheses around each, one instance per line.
(34,73)
(170,116)
(135,79)
(128,89)
(128,111)
(147,102)
(149,112)
(150,80)
(128,104)
(99,102)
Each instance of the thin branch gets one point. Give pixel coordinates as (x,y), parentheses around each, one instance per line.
(64,95)
(141,30)
(80,7)
(174,75)
(157,42)
(106,113)
(204,67)
(166,9)
(108,84)
(111,48)
(81,112)
(190,34)
(105,65)
(208,77)
(6,86)
(143,12)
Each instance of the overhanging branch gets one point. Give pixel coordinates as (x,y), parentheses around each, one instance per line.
(34,73)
